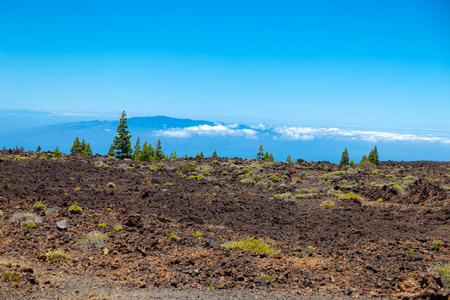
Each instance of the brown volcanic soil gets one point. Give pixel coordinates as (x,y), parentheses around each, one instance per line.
(360,247)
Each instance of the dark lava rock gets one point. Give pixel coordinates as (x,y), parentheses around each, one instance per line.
(134,221)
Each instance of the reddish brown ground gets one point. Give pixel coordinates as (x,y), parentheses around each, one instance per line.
(360,247)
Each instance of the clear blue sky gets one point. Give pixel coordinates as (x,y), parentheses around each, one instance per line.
(330,63)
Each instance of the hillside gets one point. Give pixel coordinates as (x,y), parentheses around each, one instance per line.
(322,229)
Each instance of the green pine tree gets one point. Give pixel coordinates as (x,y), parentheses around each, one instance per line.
(81,149)
(57,153)
(111,151)
(87,150)
(214,155)
(145,154)
(38,149)
(344,158)
(377,156)
(173,155)
(159,154)
(371,157)
(289,159)
(76,144)
(260,154)
(351,163)
(137,150)
(364,158)
(186,156)
(122,142)
(202,155)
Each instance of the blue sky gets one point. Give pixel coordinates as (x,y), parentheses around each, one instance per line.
(365,64)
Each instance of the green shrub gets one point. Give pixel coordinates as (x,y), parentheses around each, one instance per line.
(25,218)
(444,273)
(437,244)
(1,214)
(75,209)
(310,249)
(111,185)
(102,225)
(31,224)
(351,196)
(274,178)
(366,165)
(205,170)
(285,197)
(380,200)
(94,239)
(39,206)
(56,254)
(197,233)
(118,228)
(327,203)
(252,244)
(15,277)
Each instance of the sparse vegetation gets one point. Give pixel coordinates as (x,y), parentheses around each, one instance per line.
(94,240)
(56,255)
(37,206)
(75,209)
(252,244)
(25,218)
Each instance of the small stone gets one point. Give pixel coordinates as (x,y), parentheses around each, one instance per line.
(62,225)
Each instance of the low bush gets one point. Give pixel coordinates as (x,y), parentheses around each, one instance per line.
(94,239)
(252,244)
(351,196)
(444,273)
(25,218)
(75,209)
(56,254)
(39,206)
(327,203)
(285,197)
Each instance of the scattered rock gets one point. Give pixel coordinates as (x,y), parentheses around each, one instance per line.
(62,225)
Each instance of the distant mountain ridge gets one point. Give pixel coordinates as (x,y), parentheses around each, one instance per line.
(187,136)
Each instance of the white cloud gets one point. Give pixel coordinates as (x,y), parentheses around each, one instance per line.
(309,133)
(207,130)
(260,126)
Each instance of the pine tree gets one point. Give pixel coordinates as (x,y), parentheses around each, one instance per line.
(214,155)
(145,154)
(260,154)
(122,142)
(111,151)
(351,163)
(289,159)
(364,158)
(186,156)
(173,155)
(159,154)
(87,150)
(76,144)
(271,158)
(38,149)
(202,155)
(57,153)
(377,156)
(137,149)
(371,157)
(344,158)
(81,149)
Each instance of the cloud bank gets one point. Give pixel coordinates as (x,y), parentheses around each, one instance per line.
(309,133)
(208,130)
(292,133)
